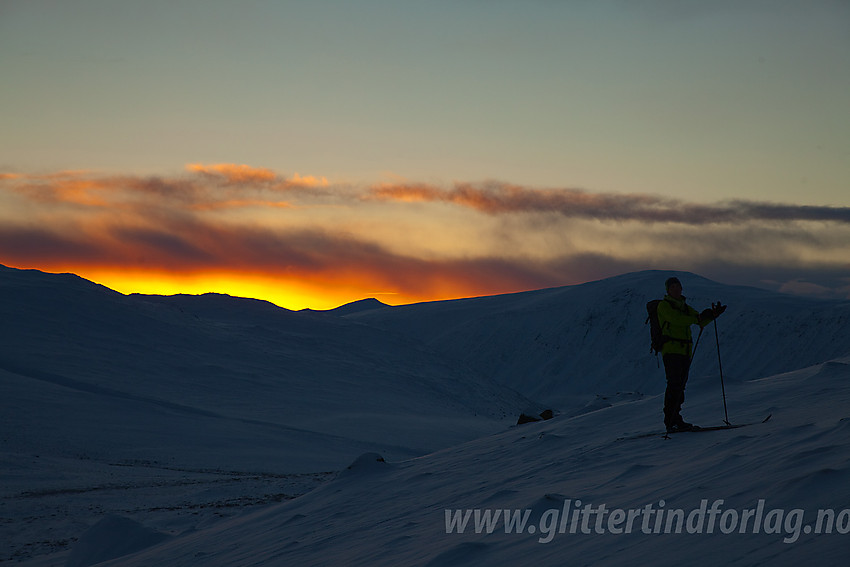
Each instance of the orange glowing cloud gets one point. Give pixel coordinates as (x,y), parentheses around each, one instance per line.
(307,181)
(233,173)
(213,187)
(73,190)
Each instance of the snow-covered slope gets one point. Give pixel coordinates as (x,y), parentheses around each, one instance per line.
(780,492)
(556,344)
(216,381)
(189,417)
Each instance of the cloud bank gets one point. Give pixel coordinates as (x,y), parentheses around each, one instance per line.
(494,238)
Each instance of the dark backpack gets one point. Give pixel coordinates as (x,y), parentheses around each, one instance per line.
(657,338)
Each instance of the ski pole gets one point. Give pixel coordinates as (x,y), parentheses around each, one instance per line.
(720,365)
(694,351)
(696,344)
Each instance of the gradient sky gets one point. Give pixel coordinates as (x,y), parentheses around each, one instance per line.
(312,153)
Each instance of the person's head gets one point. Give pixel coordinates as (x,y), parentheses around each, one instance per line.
(674,287)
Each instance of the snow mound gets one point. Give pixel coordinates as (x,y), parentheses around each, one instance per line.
(110,538)
(365,464)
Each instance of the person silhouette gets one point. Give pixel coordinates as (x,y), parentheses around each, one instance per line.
(675,318)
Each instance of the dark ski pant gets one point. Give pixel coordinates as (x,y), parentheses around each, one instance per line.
(676,368)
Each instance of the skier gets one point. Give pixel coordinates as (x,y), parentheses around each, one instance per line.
(675,318)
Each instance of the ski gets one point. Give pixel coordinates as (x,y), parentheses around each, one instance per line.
(698,429)
(667,434)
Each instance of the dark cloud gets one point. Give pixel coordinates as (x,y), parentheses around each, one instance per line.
(291,254)
(30,244)
(500,198)
(782,212)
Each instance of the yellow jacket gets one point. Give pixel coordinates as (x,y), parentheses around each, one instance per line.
(675,318)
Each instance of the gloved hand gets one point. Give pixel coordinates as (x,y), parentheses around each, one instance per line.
(717,309)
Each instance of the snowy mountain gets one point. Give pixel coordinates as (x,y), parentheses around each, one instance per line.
(557,344)
(315,390)
(187,425)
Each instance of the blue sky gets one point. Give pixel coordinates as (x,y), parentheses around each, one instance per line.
(703,103)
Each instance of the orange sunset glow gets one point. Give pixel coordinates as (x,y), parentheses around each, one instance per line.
(289,291)
(292,291)
(301,241)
